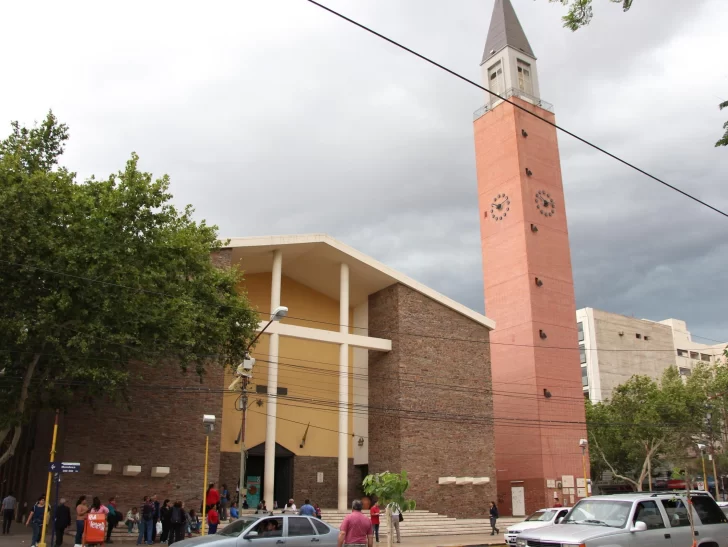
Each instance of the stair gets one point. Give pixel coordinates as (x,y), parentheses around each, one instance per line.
(417,523)
(422,523)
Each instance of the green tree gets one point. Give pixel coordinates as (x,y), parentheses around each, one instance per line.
(640,424)
(580,12)
(723,141)
(389,488)
(99,274)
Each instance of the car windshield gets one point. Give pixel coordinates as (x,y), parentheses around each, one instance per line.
(542,516)
(236,528)
(611,513)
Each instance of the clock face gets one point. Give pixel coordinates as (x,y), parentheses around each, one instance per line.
(499,207)
(545,203)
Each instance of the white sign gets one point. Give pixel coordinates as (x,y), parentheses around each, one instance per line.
(580,482)
(568,481)
(550,483)
(319,477)
(581,492)
(571,500)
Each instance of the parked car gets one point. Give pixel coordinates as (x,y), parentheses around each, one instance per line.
(270,531)
(724,506)
(638,519)
(541,518)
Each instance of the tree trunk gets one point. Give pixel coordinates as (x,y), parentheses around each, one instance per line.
(10,451)
(649,473)
(390,526)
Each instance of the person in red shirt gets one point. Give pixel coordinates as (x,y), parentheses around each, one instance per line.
(374,515)
(213,519)
(213,496)
(356,529)
(557,503)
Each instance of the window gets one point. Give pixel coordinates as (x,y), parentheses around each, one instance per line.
(694,355)
(264,389)
(638,336)
(705,358)
(647,337)
(586,395)
(321,528)
(649,513)
(584,377)
(234,529)
(685,371)
(270,528)
(682,353)
(524,77)
(495,78)
(677,513)
(300,526)
(708,510)
(580,330)
(582,354)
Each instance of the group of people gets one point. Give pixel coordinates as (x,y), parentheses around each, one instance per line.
(357,530)
(169,521)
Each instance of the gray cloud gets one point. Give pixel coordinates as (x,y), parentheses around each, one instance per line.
(274,117)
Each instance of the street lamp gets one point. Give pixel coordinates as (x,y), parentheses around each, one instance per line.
(244,372)
(583,443)
(702,447)
(208,420)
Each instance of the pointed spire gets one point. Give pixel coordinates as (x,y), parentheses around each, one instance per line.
(505,30)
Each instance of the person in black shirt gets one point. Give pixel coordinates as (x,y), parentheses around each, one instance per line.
(493,518)
(62,520)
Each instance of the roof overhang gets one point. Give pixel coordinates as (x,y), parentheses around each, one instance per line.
(315,261)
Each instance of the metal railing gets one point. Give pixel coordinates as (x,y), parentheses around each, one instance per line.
(512,92)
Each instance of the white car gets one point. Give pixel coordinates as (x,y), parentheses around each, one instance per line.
(542,517)
(724,506)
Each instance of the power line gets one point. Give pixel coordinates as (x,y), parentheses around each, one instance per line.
(317,321)
(471,82)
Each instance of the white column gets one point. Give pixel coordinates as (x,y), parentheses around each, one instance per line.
(344,391)
(272,407)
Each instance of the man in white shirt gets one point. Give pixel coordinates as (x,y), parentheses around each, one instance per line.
(8,506)
(290,507)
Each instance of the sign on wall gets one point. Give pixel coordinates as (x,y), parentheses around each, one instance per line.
(253,489)
(320,477)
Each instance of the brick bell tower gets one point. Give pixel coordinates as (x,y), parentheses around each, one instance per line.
(529,287)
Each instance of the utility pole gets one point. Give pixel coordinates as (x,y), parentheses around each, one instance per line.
(243,449)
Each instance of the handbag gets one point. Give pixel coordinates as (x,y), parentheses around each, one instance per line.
(401,518)
(159,527)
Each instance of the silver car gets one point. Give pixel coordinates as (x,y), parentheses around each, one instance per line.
(641,519)
(541,518)
(270,531)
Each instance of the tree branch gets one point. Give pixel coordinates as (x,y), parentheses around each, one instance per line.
(10,451)
(611,467)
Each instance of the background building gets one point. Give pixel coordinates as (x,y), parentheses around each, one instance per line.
(613,348)
(371,371)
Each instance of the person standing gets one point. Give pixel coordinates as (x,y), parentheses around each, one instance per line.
(493,519)
(212,498)
(557,503)
(36,519)
(165,516)
(146,524)
(155,502)
(9,504)
(224,502)
(177,523)
(112,518)
(213,519)
(374,516)
(62,520)
(356,529)
(81,512)
(396,519)
(307,509)
(290,507)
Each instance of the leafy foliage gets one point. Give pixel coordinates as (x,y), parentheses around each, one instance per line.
(580,12)
(389,488)
(97,275)
(723,141)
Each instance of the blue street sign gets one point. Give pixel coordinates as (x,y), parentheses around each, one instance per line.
(64,467)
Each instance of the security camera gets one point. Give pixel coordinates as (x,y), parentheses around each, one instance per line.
(208,419)
(300,445)
(701,446)
(583,443)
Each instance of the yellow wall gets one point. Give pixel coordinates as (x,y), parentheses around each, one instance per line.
(295,373)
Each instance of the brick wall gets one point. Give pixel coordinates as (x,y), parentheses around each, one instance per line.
(230,470)
(305,483)
(222,258)
(412,431)
(156,427)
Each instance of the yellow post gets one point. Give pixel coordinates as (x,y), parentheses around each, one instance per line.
(583,465)
(204,485)
(50,479)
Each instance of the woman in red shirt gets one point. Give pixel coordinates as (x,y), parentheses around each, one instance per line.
(213,519)
(374,515)
(213,497)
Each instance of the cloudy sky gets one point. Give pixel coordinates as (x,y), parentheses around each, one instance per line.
(273,117)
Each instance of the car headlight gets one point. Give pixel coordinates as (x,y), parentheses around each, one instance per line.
(521,542)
